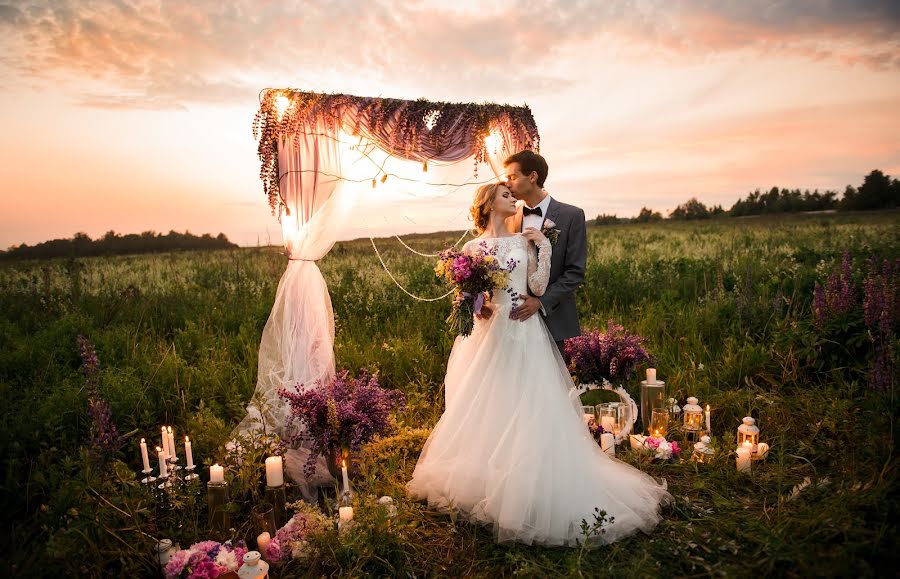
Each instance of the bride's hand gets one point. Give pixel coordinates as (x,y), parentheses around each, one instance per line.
(532,234)
(487,310)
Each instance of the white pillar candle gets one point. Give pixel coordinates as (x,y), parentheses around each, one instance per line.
(165,442)
(608,423)
(262,541)
(588,418)
(161,454)
(171,434)
(216,474)
(188,452)
(346,478)
(743,459)
(346,514)
(275,472)
(708,429)
(144,455)
(608,443)
(651,375)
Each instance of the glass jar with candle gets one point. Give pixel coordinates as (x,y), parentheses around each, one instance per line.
(607,414)
(588,414)
(217,502)
(659,423)
(263,517)
(653,396)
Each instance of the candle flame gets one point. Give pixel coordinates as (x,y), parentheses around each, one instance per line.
(343,463)
(142,441)
(170,428)
(158,449)
(186,439)
(707,407)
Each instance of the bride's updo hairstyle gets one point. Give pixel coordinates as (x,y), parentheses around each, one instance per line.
(481,205)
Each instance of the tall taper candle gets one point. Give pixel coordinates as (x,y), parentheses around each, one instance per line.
(165,441)
(171,435)
(163,471)
(144,456)
(708,430)
(188,453)
(346,480)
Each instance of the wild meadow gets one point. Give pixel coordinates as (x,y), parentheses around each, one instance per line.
(729,309)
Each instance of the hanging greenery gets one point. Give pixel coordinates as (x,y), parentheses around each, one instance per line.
(421,130)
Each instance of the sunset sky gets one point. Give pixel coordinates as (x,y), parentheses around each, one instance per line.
(135,116)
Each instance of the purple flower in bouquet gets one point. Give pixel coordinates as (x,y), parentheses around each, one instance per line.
(344,413)
(612,356)
(473,275)
(204,559)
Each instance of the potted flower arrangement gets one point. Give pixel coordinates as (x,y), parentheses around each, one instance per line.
(341,415)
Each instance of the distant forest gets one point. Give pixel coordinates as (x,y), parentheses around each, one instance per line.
(878,191)
(81,245)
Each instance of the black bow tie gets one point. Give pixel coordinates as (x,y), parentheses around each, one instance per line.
(529,211)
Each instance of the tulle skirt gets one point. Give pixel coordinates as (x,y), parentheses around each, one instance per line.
(512,451)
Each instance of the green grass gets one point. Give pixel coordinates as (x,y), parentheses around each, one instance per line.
(726,309)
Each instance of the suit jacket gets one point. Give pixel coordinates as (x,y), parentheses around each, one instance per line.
(567,265)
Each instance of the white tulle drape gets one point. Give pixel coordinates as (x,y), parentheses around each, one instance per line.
(297,345)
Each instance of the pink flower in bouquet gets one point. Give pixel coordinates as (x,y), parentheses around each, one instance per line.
(461,269)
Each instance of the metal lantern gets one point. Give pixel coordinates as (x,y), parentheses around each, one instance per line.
(703,452)
(749,432)
(693,415)
(659,423)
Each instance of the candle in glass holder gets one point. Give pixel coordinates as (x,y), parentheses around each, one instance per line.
(188,453)
(659,422)
(274,471)
(216,474)
(144,456)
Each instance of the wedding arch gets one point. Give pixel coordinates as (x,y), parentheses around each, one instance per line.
(318,153)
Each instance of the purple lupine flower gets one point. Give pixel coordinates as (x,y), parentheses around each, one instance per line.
(614,355)
(90,364)
(105,436)
(345,412)
(839,296)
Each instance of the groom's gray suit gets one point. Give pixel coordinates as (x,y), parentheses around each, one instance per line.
(567,265)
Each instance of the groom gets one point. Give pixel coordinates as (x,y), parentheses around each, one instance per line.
(526,172)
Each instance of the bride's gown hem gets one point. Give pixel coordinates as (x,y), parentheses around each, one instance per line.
(511,450)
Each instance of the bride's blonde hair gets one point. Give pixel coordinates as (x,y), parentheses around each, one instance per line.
(481,205)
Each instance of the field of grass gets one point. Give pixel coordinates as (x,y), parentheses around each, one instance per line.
(726,307)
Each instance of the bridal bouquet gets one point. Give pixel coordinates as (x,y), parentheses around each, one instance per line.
(472,276)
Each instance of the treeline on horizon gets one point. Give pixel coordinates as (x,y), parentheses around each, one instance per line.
(878,191)
(112,243)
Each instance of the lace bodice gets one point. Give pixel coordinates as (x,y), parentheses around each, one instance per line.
(530,265)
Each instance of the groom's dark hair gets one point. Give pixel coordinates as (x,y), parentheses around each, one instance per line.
(530,161)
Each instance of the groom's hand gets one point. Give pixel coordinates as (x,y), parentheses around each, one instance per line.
(526,309)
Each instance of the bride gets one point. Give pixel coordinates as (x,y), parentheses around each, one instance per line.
(511,449)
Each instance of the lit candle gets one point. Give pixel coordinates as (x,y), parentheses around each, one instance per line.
(144,455)
(262,541)
(708,429)
(346,481)
(346,514)
(188,452)
(588,418)
(165,442)
(171,436)
(608,423)
(638,441)
(216,474)
(743,458)
(608,443)
(275,472)
(651,375)
(161,454)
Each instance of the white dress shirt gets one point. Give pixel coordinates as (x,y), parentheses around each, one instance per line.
(534,220)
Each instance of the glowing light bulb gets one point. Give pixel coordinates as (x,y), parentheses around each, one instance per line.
(281,104)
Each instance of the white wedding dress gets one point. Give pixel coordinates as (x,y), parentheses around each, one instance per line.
(511,449)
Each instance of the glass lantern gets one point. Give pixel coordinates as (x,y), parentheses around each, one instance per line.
(748,432)
(659,423)
(703,452)
(693,415)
